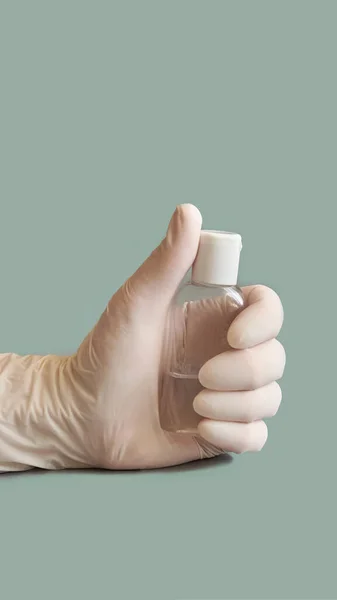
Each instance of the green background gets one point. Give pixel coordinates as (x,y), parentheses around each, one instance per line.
(111,114)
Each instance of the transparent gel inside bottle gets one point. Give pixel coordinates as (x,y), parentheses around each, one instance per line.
(197,326)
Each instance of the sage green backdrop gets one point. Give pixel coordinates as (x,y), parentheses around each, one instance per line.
(111,114)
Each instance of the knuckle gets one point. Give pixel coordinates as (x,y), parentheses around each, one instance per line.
(271,294)
(273,411)
(281,358)
(273,305)
(264,289)
(262,437)
(252,438)
(276,399)
(278,393)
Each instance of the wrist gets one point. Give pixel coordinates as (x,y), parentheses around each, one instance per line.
(40,420)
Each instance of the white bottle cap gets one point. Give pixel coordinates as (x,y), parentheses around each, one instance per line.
(217,259)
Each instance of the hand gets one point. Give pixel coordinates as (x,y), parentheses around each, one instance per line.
(114,375)
(99,407)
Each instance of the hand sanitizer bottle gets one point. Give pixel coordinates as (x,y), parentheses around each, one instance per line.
(197,326)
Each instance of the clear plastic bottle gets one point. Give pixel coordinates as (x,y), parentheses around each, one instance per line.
(196,330)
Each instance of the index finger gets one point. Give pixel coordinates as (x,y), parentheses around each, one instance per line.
(260,321)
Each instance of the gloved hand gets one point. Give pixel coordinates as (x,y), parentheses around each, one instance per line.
(98,407)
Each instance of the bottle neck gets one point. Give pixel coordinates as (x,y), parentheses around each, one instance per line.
(213,285)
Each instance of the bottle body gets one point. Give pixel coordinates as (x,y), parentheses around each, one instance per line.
(196,330)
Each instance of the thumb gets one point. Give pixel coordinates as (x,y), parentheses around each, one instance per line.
(161,273)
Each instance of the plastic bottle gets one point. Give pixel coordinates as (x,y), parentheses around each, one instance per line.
(197,326)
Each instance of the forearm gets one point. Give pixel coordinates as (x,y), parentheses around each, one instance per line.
(37,410)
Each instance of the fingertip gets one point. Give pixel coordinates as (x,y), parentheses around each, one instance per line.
(203,428)
(260,321)
(205,376)
(196,403)
(184,229)
(235,338)
(238,335)
(190,211)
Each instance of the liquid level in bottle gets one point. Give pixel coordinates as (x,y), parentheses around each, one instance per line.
(182,389)
(196,331)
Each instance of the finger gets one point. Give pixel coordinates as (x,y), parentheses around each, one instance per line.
(244,369)
(234,437)
(161,273)
(260,321)
(239,406)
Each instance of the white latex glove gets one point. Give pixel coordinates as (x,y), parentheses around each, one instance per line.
(98,407)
